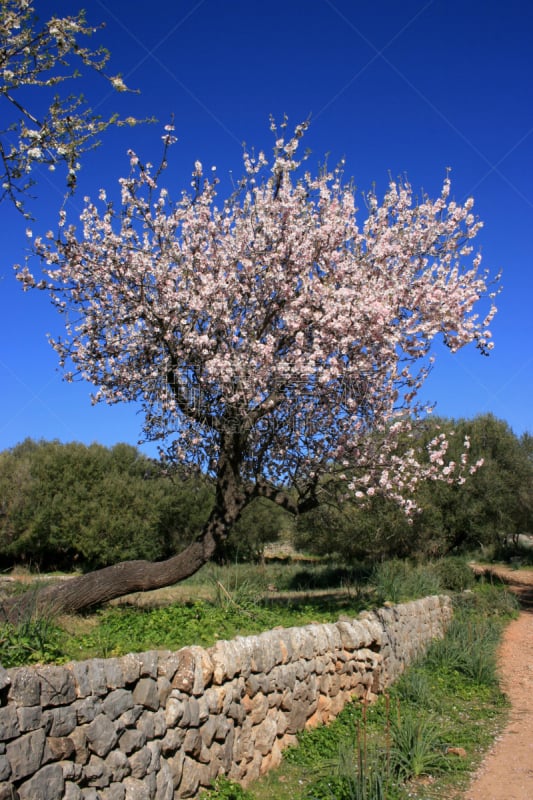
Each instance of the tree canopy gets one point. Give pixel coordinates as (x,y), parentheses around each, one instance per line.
(272,339)
(46,126)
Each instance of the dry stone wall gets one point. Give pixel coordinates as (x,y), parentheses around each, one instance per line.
(160,725)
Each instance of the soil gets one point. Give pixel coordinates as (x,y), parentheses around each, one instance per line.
(507,771)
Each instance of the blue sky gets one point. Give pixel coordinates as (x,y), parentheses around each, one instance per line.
(405,88)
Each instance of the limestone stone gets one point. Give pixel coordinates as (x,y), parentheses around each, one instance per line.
(155,756)
(130,667)
(71,771)
(57,686)
(59,721)
(5,768)
(208,730)
(101,735)
(7,791)
(192,744)
(87,708)
(160,725)
(24,687)
(164,783)
(145,694)
(148,663)
(25,754)
(164,688)
(29,718)
(190,778)
(60,747)
(172,740)
(194,671)
(129,718)
(46,784)
(135,789)
(72,791)
(96,772)
(265,735)
(117,702)
(114,675)
(9,723)
(79,740)
(115,791)
(118,765)
(131,740)
(174,711)
(140,761)
(175,764)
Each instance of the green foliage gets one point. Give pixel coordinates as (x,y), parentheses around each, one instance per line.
(224,789)
(454,574)
(489,600)
(468,648)
(33,641)
(261,523)
(417,745)
(490,509)
(398,581)
(68,504)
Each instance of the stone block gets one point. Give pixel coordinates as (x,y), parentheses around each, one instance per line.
(57,686)
(59,721)
(101,735)
(29,718)
(5,768)
(190,779)
(145,694)
(115,791)
(131,740)
(118,765)
(9,723)
(46,784)
(117,702)
(148,662)
(72,791)
(194,671)
(130,667)
(24,687)
(140,761)
(135,789)
(25,754)
(60,747)
(164,783)
(87,708)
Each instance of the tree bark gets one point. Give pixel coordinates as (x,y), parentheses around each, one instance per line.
(109,583)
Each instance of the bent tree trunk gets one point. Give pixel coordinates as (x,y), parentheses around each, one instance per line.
(120,579)
(109,583)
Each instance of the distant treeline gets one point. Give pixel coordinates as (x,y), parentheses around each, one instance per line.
(487,512)
(65,506)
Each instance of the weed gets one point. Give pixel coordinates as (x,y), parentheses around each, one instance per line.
(397,581)
(224,789)
(31,641)
(417,745)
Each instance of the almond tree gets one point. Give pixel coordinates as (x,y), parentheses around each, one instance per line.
(272,341)
(45,127)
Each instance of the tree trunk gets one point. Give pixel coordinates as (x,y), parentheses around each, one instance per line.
(109,583)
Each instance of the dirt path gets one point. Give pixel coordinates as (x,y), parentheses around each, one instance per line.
(507,771)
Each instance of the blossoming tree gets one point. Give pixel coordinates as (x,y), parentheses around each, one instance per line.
(44,56)
(272,340)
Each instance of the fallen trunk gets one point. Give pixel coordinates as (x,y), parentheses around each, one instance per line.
(109,583)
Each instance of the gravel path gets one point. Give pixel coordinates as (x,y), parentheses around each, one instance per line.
(507,771)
